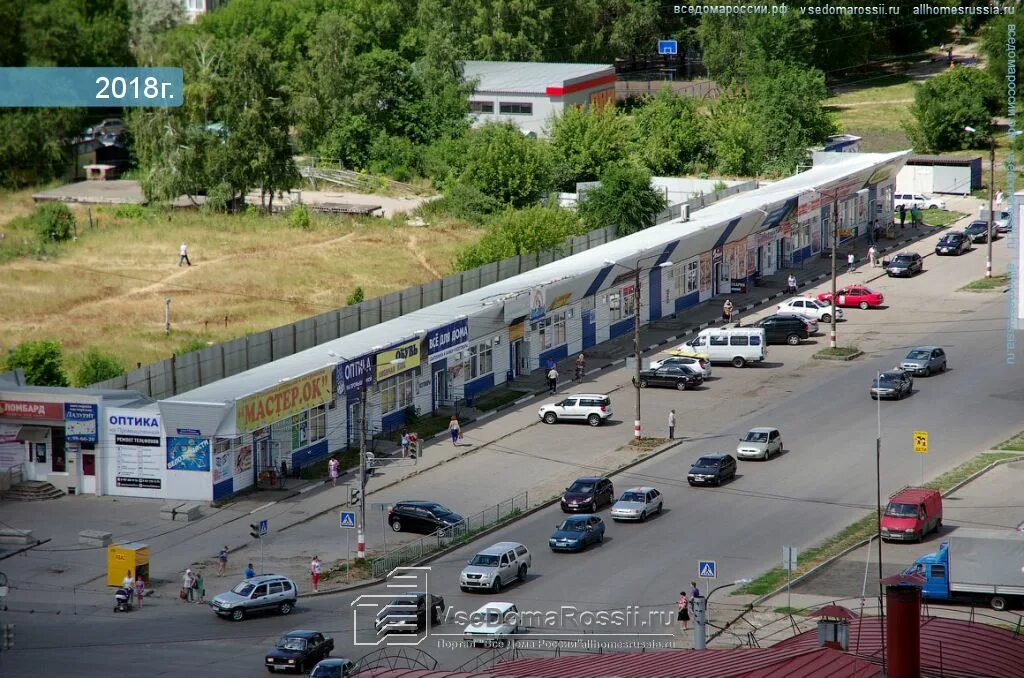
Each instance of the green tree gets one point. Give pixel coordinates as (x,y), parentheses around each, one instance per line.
(636,27)
(97,366)
(150,19)
(32,143)
(737,47)
(945,104)
(521,232)
(736,143)
(993,46)
(42,361)
(587,140)
(54,222)
(510,30)
(624,199)
(507,165)
(672,134)
(356,296)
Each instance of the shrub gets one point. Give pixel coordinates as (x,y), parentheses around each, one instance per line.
(355,297)
(520,232)
(43,362)
(192,345)
(54,222)
(396,157)
(299,218)
(97,366)
(465,202)
(130,212)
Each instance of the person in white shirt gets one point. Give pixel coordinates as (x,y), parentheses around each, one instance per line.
(791,283)
(671,424)
(183,255)
(314,571)
(872,255)
(850,262)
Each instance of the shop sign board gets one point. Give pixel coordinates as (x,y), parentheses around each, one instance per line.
(282,401)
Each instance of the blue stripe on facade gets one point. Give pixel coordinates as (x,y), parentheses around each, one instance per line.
(620,328)
(602,275)
(654,294)
(556,354)
(669,249)
(308,455)
(589,329)
(686,301)
(722,239)
(478,386)
(392,421)
(224,488)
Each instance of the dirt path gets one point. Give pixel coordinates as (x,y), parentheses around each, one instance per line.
(414,248)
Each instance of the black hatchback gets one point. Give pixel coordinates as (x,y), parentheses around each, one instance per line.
(588,494)
(784,328)
(955,243)
(905,265)
(424,517)
(977,231)
(679,377)
(712,469)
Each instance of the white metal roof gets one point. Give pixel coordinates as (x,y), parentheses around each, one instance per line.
(213,400)
(529,77)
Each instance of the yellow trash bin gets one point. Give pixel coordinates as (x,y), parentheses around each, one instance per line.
(125,558)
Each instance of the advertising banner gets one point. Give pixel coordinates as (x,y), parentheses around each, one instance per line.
(354,375)
(12,452)
(222,466)
(243,459)
(560,301)
(538,301)
(283,400)
(138,449)
(409,352)
(447,340)
(24,409)
(79,423)
(188,454)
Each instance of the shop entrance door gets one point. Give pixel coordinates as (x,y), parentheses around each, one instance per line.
(516,357)
(355,420)
(88,473)
(441,388)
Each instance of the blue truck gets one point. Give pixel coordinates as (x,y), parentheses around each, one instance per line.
(975,566)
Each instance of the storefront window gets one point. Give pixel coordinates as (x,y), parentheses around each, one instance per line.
(559,320)
(481,360)
(39,452)
(300,430)
(691,276)
(58,463)
(614,306)
(396,393)
(628,301)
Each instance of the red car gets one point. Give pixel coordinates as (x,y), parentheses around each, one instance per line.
(854,295)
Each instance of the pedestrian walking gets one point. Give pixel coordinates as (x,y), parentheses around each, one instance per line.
(222,562)
(851,262)
(999,197)
(581,367)
(550,364)
(553,380)
(314,573)
(872,255)
(129,581)
(727,311)
(791,284)
(334,470)
(694,591)
(249,572)
(683,604)
(186,586)
(284,473)
(454,430)
(915,216)
(140,590)
(671,424)
(405,443)
(903,216)
(199,586)
(183,255)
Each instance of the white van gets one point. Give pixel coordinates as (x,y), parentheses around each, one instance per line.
(736,345)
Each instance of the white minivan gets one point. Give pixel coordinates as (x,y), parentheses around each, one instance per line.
(736,345)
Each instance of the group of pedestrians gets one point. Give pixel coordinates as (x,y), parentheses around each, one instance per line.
(193,588)
(136,585)
(684,603)
(915,216)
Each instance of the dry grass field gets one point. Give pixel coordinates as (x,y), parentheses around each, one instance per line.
(249,273)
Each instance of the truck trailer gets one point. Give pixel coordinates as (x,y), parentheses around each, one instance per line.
(975,565)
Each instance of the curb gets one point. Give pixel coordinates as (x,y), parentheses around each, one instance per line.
(497,526)
(839,358)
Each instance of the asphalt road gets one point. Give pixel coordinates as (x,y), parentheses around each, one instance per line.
(824,481)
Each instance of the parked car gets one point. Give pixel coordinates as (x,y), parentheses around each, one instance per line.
(735,345)
(637,504)
(893,384)
(911,514)
(954,242)
(810,308)
(408,613)
(921,200)
(700,363)
(978,231)
(679,377)
(854,295)
(905,265)
(587,495)
(712,469)
(575,533)
(265,593)
(496,566)
(786,328)
(298,650)
(924,360)
(335,667)
(593,408)
(492,624)
(423,517)
(760,443)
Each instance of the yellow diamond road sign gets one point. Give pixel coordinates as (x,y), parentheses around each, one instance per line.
(921,442)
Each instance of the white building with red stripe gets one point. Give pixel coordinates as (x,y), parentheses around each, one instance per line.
(529,94)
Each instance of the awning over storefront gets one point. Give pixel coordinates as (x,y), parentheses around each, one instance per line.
(33,434)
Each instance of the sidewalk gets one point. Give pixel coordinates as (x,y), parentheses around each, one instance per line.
(47,573)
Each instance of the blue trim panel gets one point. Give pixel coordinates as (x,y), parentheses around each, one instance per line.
(393,421)
(654,293)
(620,328)
(598,281)
(224,488)
(476,386)
(722,239)
(307,455)
(688,300)
(556,354)
(589,329)
(669,249)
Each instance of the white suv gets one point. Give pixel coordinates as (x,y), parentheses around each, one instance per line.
(496,566)
(810,308)
(921,200)
(593,408)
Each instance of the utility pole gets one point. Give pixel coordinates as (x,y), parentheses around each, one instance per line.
(361,537)
(878,508)
(835,246)
(991,215)
(636,351)
(167,316)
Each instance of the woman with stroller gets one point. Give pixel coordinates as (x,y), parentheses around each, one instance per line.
(581,366)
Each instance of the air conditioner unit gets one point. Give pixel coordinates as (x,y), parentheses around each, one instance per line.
(684,212)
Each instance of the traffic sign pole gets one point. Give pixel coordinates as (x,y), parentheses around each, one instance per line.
(921,448)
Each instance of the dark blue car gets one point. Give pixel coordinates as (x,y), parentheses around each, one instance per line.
(576,532)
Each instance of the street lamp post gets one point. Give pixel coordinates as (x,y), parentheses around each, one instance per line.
(991,188)
(636,332)
(700,610)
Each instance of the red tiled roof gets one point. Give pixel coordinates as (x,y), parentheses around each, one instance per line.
(952,647)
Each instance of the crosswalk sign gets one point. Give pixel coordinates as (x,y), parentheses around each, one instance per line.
(264,528)
(707,569)
(348,519)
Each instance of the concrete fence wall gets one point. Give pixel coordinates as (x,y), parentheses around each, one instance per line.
(183,373)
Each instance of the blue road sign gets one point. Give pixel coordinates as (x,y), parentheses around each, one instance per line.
(668,47)
(348,519)
(707,569)
(264,528)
